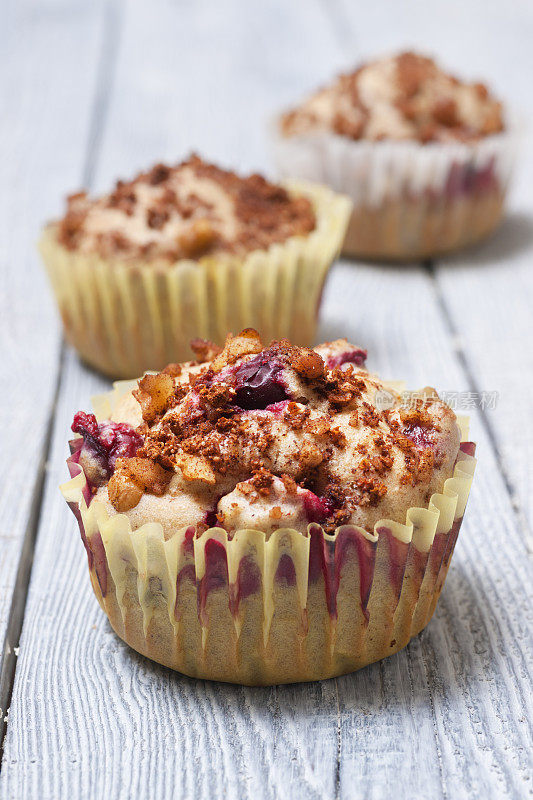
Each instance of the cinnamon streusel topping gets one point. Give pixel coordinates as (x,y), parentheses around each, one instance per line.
(270,437)
(186,211)
(404,97)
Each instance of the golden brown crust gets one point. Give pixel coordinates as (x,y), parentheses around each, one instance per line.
(242,425)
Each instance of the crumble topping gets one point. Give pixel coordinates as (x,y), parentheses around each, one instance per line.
(403,97)
(276,436)
(186,211)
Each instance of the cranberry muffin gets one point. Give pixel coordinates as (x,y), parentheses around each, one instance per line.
(268,514)
(425,157)
(185,251)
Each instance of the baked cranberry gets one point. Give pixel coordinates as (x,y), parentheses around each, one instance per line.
(317,509)
(87,426)
(420,436)
(259,383)
(107,440)
(355,356)
(278,408)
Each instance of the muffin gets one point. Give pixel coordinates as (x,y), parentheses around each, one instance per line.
(189,250)
(268,514)
(425,157)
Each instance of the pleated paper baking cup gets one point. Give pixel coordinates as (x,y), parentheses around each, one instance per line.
(257,609)
(125,317)
(411,200)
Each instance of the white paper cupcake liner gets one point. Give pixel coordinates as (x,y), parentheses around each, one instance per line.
(410,199)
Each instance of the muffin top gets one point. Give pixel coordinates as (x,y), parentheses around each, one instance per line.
(267,437)
(403,97)
(190,210)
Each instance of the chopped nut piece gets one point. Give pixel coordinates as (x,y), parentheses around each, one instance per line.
(310,456)
(123,492)
(308,363)
(156,217)
(445,112)
(153,394)
(196,468)
(174,370)
(198,238)
(262,481)
(337,437)
(246,343)
(146,473)
(158,174)
(204,350)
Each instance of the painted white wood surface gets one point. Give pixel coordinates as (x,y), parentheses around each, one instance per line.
(47,74)
(451,715)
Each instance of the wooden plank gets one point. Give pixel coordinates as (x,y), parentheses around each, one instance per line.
(488,291)
(215,77)
(42,133)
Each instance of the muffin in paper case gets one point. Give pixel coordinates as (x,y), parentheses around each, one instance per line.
(124,317)
(296,605)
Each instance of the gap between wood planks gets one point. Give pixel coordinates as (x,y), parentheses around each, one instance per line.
(112,22)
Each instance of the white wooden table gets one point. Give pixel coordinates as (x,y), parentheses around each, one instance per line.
(96,90)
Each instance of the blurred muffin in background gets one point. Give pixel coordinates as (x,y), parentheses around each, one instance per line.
(186,251)
(425,157)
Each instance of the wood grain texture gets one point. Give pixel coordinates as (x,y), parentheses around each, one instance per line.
(450,716)
(42,134)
